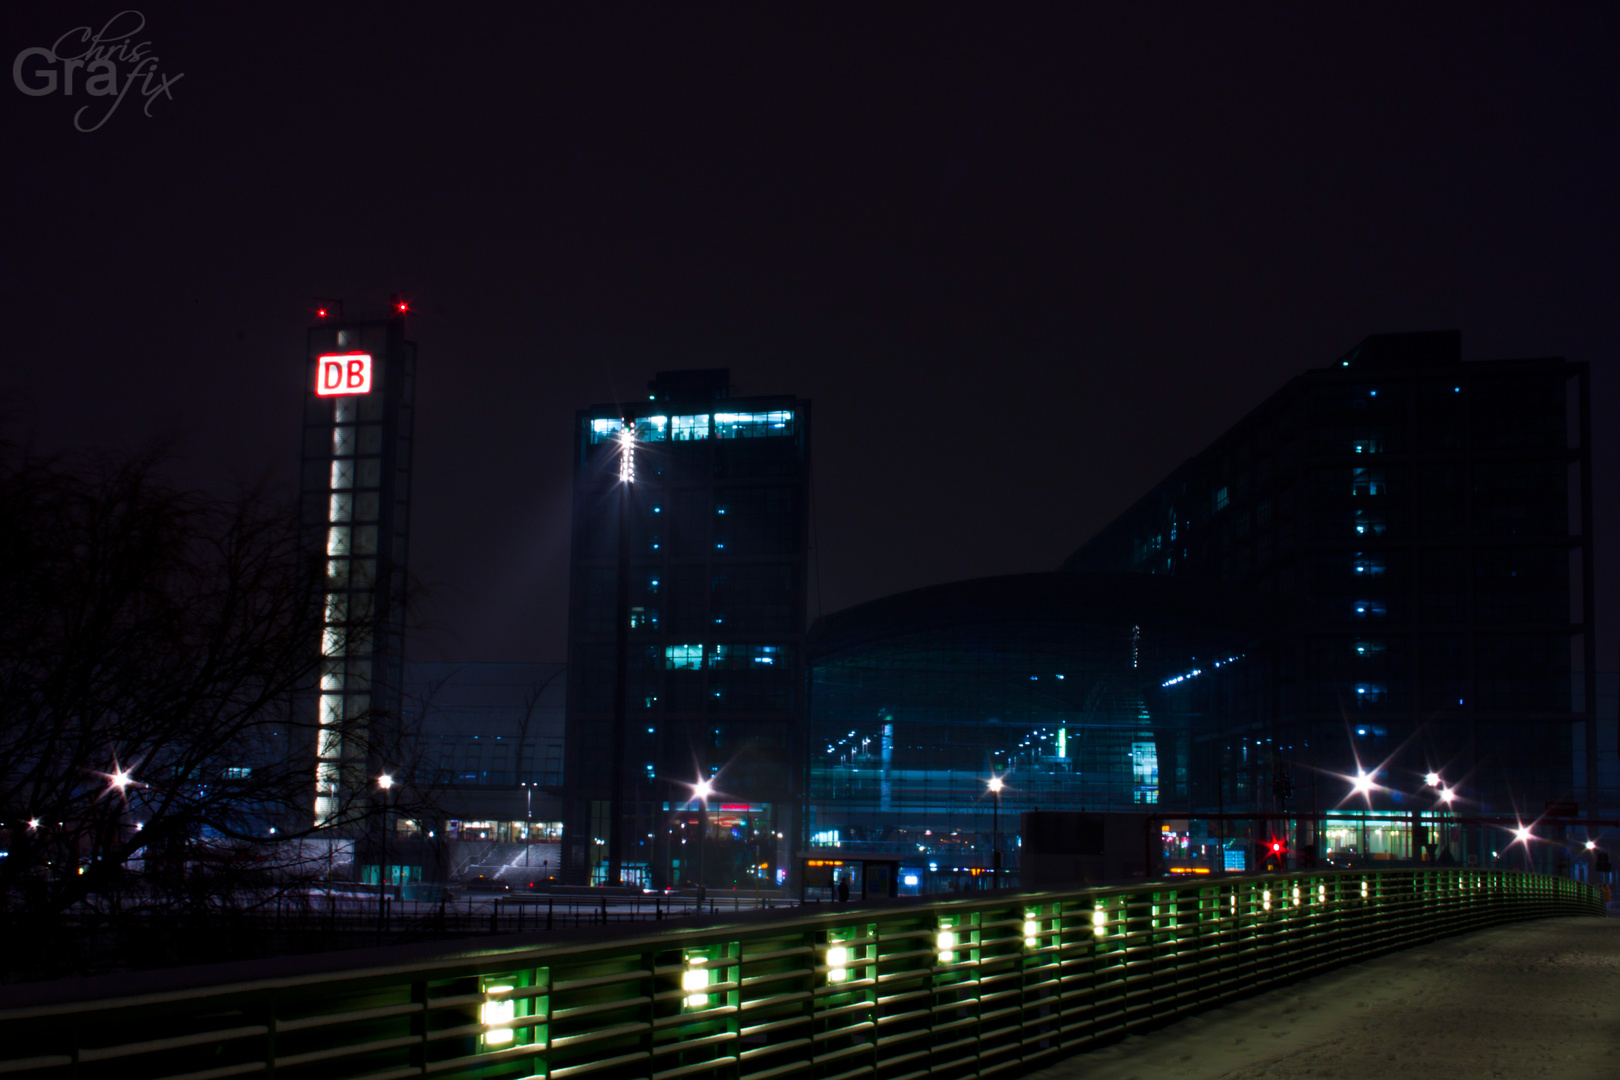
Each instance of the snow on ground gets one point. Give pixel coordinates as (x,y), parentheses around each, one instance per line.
(1526,1000)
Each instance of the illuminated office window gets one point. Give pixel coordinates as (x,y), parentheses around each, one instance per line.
(752,425)
(652,428)
(604,430)
(688,428)
(1366,482)
(683,657)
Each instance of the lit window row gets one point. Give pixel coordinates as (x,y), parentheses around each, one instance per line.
(748,425)
(694,657)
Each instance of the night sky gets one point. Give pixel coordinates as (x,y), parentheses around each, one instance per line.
(1023,267)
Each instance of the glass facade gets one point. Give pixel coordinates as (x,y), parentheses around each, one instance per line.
(1076,691)
(1435,516)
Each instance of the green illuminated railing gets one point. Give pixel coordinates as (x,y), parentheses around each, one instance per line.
(958,988)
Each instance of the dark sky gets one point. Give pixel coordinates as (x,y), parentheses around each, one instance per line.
(1023,265)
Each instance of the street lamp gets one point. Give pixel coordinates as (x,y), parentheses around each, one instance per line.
(528,827)
(1363,785)
(386,783)
(701,791)
(995,786)
(1433,779)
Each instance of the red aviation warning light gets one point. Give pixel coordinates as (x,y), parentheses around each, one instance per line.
(342,373)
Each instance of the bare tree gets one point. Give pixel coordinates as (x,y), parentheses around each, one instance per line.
(159,655)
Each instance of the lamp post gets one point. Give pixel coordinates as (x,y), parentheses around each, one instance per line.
(1434,780)
(1523,835)
(1363,785)
(386,784)
(701,791)
(995,786)
(528,817)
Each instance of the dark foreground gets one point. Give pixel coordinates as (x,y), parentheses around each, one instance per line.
(1534,999)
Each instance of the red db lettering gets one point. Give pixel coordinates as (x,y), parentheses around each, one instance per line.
(331,375)
(357,373)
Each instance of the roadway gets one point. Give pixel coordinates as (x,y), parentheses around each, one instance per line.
(1527,1000)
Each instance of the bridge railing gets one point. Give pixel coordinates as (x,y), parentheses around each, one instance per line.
(955,988)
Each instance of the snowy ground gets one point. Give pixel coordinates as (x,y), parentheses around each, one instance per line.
(1528,1000)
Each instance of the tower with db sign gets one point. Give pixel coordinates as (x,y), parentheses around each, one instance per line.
(355,498)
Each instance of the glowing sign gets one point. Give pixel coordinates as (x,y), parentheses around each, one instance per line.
(342,373)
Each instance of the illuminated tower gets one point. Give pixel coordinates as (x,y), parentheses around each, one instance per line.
(355,509)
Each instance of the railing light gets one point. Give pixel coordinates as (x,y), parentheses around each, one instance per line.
(1031,928)
(837,963)
(1265,899)
(528,1017)
(1296,896)
(497,1017)
(1364,888)
(695,980)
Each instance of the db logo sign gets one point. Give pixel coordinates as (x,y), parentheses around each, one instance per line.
(343,373)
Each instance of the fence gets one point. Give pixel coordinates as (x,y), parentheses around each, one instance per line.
(970,987)
(87,941)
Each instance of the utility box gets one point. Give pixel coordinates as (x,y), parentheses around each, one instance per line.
(1066,847)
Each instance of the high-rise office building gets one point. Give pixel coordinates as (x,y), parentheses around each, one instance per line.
(1436,517)
(355,509)
(686,625)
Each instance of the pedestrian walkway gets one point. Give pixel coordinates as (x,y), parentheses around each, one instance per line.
(1527,1000)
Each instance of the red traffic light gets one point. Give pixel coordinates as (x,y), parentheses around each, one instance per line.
(1276,847)
(321,313)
